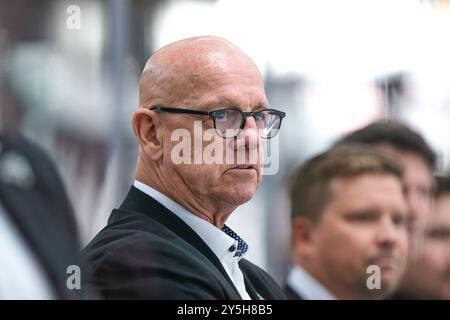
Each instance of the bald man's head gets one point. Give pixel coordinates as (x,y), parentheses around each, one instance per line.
(188,67)
(201,74)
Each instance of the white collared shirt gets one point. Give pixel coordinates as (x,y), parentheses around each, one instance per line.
(307,286)
(21,275)
(218,241)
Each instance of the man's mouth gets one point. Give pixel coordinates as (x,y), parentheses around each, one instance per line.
(244,167)
(384,262)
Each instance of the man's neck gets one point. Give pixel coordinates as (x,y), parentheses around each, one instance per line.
(215,213)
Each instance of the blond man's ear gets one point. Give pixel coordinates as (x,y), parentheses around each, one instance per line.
(302,238)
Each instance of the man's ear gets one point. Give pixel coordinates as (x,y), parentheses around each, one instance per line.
(145,125)
(303,237)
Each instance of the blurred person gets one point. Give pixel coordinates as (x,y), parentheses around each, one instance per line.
(430,275)
(168,239)
(38,236)
(418,160)
(12,110)
(348,214)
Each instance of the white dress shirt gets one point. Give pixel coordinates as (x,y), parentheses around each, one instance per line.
(21,276)
(217,240)
(307,286)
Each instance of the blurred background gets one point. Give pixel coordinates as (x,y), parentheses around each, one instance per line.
(69,73)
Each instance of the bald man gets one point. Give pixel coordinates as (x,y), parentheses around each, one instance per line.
(201,100)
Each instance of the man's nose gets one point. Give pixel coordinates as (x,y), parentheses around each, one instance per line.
(387,233)
(412,202)
(249,136)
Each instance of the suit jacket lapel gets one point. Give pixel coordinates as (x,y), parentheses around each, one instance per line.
(138,201)
(250,288)
(291,294)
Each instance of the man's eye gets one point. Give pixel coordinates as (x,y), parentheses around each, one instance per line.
(258,116)
(399,220)
(220,115)
(439,234)
(362,217)
(425,193)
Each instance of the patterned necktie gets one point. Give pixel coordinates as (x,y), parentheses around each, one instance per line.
(242,245)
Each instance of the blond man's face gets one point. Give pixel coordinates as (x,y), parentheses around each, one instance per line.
(362,225)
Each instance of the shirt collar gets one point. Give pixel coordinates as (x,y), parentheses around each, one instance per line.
(218,241)
(307,286)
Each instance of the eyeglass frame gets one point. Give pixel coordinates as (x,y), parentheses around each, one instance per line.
(161,108)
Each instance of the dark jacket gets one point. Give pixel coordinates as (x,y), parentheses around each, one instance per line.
(291,294)
(147,252)
(34,197)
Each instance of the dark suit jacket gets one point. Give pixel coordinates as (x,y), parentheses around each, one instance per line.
(34,197)
(399,296)
(147,252)
(291,294)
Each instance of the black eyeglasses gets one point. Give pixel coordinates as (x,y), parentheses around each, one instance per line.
(229,122)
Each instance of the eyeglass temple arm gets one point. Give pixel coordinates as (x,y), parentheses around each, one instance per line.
(280,113)
(178,110)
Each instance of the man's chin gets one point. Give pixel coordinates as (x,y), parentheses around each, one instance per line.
(389,285)
(241,194)
(390,281)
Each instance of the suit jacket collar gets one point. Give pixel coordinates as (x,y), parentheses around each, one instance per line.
(140,202)
(307,286)
(291,294)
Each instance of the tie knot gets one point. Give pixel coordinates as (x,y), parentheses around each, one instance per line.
(242,245)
